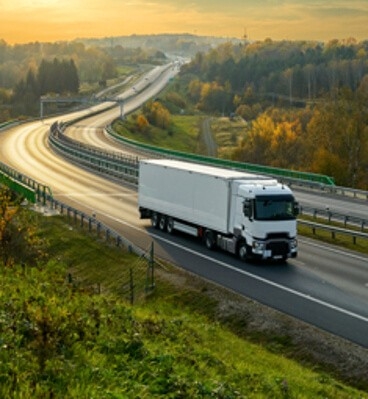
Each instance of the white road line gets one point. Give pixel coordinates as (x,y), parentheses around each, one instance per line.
(261,279)
(94,195)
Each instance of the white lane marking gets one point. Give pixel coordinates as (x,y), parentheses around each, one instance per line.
(261,279)
(269,282)
(94,194)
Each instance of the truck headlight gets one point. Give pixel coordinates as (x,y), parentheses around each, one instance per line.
(293,244)
(259,245)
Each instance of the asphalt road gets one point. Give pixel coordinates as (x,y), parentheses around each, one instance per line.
(324,286)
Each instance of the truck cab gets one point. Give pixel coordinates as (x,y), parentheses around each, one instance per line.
(264,221)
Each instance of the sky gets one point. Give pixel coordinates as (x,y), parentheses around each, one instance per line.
(24,21)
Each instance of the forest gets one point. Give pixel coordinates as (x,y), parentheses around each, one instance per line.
(28,71)
(305,103)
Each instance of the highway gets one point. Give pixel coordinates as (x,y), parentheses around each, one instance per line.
(325,286)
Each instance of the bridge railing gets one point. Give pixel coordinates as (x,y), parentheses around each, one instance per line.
(112,164)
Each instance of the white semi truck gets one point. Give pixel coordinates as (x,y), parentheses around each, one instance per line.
(249,215)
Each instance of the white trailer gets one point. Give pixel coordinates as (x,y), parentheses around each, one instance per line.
(250,215)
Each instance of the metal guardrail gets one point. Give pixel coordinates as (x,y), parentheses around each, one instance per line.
(112,164)
(18,187)
(24,185)
(334,216)
(334,230)
(8,124)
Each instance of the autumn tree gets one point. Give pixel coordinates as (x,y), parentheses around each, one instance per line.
(214,97)
(338,138)
(142,123)
(157,114)
(273,139)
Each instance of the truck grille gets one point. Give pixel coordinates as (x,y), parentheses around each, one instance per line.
(278,248)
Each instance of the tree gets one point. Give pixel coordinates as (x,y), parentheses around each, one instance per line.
(142,123)
(58,77)
(19,242)
(215,97)
(338,132)
(157,114)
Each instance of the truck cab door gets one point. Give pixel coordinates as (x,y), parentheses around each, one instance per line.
(241,221)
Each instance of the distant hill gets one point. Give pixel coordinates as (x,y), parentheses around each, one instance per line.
(180,44)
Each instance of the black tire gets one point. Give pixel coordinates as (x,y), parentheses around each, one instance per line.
(243,250)
(170,225)
(209,239)
(162,223)
(155,219)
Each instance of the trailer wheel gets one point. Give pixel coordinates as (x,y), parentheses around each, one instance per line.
(154,220)
(209,239)
(170,225)
(243,250)
(162,222)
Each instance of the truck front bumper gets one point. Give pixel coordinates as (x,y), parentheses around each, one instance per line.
(275,249)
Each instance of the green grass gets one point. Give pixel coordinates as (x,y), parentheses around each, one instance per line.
(181,136)
(59,337)
(228,134)
(184,133)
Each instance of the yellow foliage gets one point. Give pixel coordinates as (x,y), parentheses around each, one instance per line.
(142,122)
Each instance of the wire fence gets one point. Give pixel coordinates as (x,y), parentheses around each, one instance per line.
(134,282)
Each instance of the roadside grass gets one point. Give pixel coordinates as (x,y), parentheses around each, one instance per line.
(60,338)
(339,239)
(181,136)
(228,133)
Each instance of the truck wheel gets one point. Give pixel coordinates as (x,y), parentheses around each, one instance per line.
(170,225)
(243,250)
(154,220)
(162,223)
(209,239)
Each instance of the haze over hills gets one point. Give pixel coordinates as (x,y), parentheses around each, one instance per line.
(181,44)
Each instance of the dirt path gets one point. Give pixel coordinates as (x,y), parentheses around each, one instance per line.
(207,138)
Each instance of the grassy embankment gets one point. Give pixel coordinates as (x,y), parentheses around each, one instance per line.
(62,337)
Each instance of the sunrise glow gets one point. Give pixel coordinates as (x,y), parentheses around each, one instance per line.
(56,20)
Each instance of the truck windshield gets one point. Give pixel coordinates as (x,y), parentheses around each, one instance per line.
(277,207)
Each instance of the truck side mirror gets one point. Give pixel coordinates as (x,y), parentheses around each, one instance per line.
(296,209)
(248,209)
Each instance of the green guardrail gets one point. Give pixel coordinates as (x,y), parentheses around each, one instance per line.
(7,124)
(253,168)
(24,185)
(19,188)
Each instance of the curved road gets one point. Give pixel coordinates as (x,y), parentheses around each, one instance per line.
(324,286)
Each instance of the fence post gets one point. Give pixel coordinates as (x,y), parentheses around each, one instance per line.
(131,285)
(150,284)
